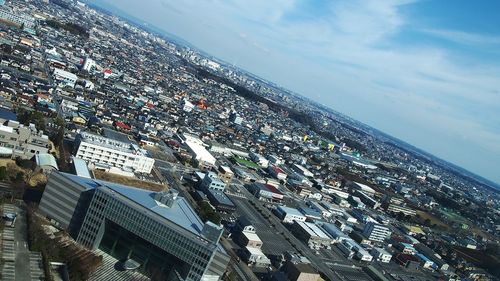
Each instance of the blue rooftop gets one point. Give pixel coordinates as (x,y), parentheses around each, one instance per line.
(181,213)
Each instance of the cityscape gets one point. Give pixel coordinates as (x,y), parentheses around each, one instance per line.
(129,154)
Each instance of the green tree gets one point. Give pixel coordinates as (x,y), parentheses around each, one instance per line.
(3,173)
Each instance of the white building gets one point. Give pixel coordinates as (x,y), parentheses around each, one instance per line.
(89,64)
(352,249)
(381,255)
(256,257)
(303,171)
(212,181)
(259,159)
(199,153)
(64,77)
(376,232)
(97,149)
(289,215)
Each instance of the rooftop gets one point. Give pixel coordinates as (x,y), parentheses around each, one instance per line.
(181,213)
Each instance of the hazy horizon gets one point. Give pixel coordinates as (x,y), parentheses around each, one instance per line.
(431,69)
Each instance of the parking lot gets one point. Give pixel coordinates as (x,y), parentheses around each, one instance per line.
(15,247)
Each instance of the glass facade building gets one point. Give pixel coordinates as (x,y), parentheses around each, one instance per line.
(159,231)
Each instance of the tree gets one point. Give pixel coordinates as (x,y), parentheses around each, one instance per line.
(3,173)
(19,177)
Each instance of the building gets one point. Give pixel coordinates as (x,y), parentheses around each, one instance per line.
(265,192)
(302,171)
(406,248)
(352,249)
(277,173)
(114,153)
(255,257)
(249,239)
(244,225)
(374,273)
(64,77)
(376,232)
(334,232)
(289,215)
(46,163)
(235,118)
(300,271)
(394,208)
(158,230)
(381,254)
(431,255)
(220,201)
(199,153)
(26,21)
(367,200)
(311,234)
(225,174)
(407,261)
(259,159)
(211,181)
(17,140)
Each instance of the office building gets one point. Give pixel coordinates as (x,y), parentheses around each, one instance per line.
(158,230)
(97,149)
(376,232)
(211,181)
(17,140)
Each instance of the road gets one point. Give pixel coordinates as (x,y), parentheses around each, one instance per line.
(169,172)
(299,246)
(16,245)
(22,251)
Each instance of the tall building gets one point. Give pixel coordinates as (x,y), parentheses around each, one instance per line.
(17,140)
(376,232)
(106,151)
(158,230)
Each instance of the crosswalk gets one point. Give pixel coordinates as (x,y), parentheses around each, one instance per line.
(8,271)
(36,266)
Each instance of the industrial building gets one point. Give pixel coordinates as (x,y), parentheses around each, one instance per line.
(158,230)
(311,234)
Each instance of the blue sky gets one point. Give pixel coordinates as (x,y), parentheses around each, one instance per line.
(427,72)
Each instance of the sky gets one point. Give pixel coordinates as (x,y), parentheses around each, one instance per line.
(427,72)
